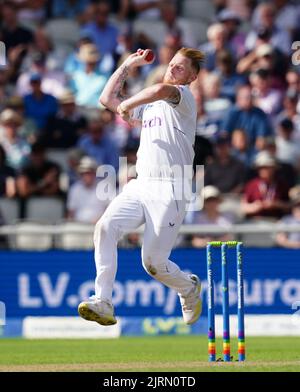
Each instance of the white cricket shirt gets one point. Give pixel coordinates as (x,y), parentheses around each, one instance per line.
(167,136)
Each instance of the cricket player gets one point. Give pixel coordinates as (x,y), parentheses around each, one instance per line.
(167,113)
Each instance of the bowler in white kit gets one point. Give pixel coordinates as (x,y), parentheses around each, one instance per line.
(167,113)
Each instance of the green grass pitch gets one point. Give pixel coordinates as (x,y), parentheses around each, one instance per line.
(163,353)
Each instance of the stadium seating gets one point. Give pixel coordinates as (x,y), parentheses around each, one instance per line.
(58,156)
(64,32)
(30,236)
(46,209)
(74,236)
(262,239)
(9,209)
(200,10)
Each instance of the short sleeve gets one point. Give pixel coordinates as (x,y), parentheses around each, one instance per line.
(186,100)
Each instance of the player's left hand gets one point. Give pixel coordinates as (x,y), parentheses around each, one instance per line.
(125,113)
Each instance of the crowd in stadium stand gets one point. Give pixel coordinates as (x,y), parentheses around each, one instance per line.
(54,135)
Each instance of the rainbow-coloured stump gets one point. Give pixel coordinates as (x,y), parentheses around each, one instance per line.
(210,306)
(225,301)
(240,303)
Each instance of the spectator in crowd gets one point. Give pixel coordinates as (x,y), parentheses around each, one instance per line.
(215,105)
(266,98)
(5,89)
(99,145)
(83,202)
(64,129)
(287,149)
(291,240)
(225,172)
(89,76)
(240,147)
(28,129)
(265,196)
(31,12)
(293,80)
(74,156)
(211,216)
(248,117)
(101,31)
(217,40)
(286,15)
(53,82)
(39,106)
(54,55)
(290,112)
(39,177)
(73,62)
(229,78)
(232,21)
(16,148)
(16,38)
(285,172)
(7,177)
(265,56)
(264,17)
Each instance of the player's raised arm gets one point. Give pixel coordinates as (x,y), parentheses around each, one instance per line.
(111,96)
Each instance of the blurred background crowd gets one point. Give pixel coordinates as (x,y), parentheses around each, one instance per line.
(54,135)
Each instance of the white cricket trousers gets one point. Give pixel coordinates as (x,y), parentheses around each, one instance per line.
(143,201)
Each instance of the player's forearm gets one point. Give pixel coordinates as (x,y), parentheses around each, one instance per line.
(149,95)
(111,96)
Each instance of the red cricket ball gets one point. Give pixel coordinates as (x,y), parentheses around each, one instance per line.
(150,56)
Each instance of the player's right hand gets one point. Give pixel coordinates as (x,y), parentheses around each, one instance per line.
(137,59)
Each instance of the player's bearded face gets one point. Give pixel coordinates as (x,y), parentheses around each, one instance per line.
(179,71)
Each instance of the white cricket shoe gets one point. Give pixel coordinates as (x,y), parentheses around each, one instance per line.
(96,310)
(191,303)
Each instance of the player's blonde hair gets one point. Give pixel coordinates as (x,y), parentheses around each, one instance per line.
(196,56)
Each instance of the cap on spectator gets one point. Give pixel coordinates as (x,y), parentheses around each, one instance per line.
(228,14)
(294,195)
(67,97)
(9,116)
(89,53)
(264,159)
(210,192)
(87,164)
(264,50)
(35,77)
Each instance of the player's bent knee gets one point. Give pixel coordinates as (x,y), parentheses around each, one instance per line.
(151,266)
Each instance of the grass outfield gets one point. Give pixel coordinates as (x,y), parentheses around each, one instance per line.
(165,353)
